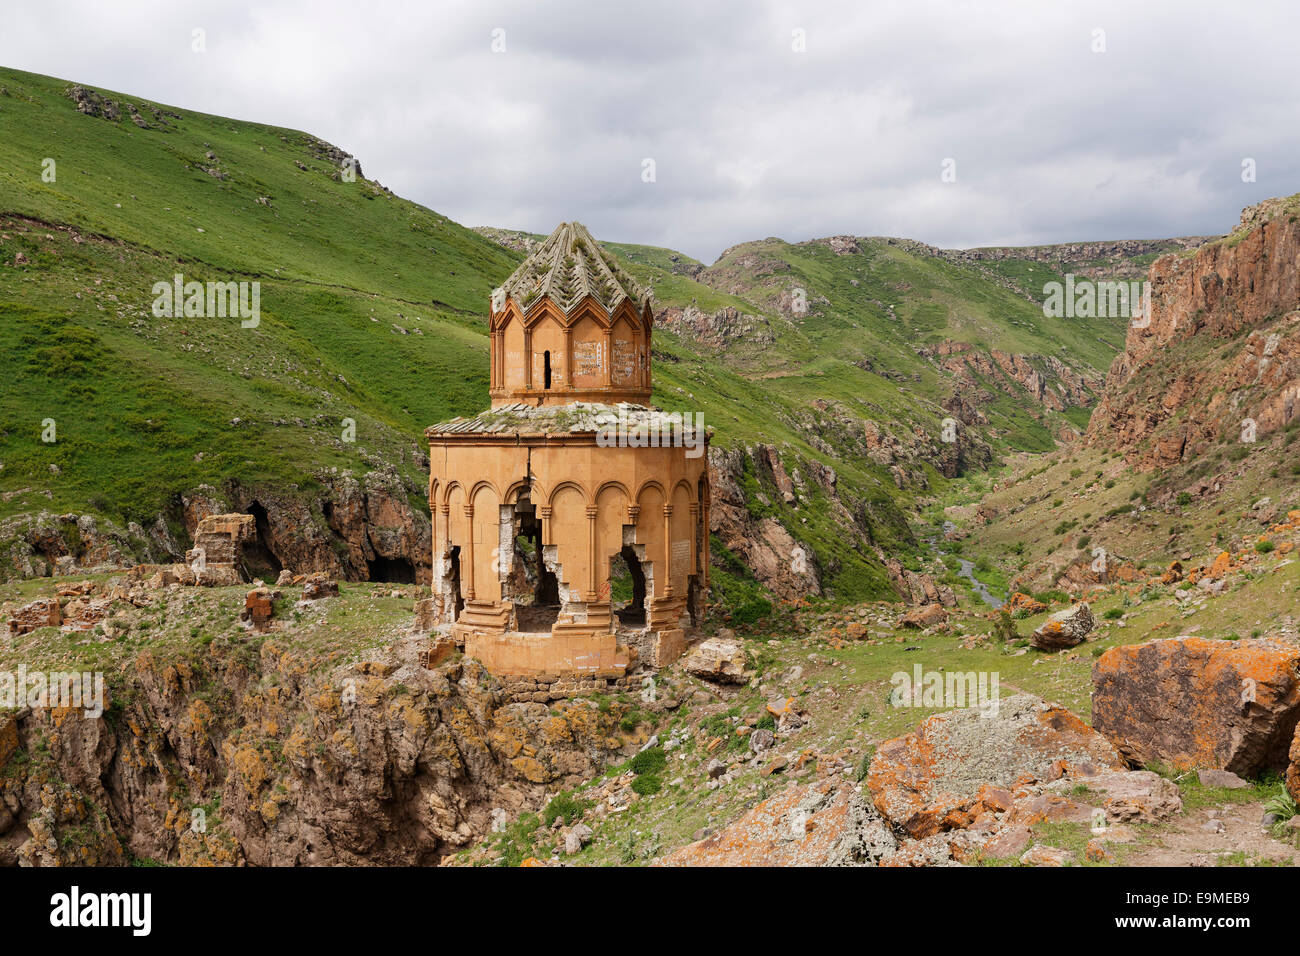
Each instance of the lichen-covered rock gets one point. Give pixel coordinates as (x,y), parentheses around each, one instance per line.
(1067,628)
(717,659)
(1133,796)
(927,615)
(318,586)
(930,780)
(380,762)
(812,825)
(1193,702)
(1293,767)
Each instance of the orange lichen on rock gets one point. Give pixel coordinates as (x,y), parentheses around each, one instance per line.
(1196,702)
(935,777)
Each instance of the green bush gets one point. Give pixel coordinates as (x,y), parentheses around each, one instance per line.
(1114,614)
(649,761)
(566,806)
(647,784)
(1264,547)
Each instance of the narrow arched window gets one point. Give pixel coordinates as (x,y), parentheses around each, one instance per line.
(546,369)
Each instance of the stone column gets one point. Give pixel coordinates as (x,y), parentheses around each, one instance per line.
(591,554)
(668,551)
(469,560)
(568,360)
(609,356)
(695,537)
(528,358)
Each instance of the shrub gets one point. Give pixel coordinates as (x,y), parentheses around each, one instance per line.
(1114,614)
(565,806)
(1004,629)
(1264,547)
(649,761)
(647,784)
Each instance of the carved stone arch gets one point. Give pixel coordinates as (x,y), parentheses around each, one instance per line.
(450,487)
(614,484)
(480,485)
(626,310)
(543,312)
(512,493)
(651,483)
(576,485)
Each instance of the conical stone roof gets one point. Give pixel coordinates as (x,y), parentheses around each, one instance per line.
(569,266)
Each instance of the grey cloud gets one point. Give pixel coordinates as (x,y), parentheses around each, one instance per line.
(1052,142)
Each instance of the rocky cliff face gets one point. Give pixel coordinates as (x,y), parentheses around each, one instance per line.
(359,529)
(236,754)
(1047,380)
(718,328)
(1219,358)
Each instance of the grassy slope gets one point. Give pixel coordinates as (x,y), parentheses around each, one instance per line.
(147,408)
(136,397)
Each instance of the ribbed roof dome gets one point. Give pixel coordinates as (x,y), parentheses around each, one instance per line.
(569,266)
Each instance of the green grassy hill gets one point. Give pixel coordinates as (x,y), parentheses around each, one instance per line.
(373,309)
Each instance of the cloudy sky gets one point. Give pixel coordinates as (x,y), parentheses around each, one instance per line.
(1063,120)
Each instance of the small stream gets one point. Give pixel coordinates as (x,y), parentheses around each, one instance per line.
(967,571)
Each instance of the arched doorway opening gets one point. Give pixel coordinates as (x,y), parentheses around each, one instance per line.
(454,596)
(534,589)
(627,589)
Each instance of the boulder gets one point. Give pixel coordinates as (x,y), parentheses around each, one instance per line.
(1194,702)
(576,838)
(1063,629)
(1135,796)
(1023,602)
(801,826)
(1039,855)
(1223,779)
(930,780)
(927,615)
(318,586)
(1008,842)
(717,659)
(1293,768)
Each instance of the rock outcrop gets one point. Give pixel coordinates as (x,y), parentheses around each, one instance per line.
(1192,702)
(1235,302)
(716,329)
(717,659)
(930,780)
(225,757)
